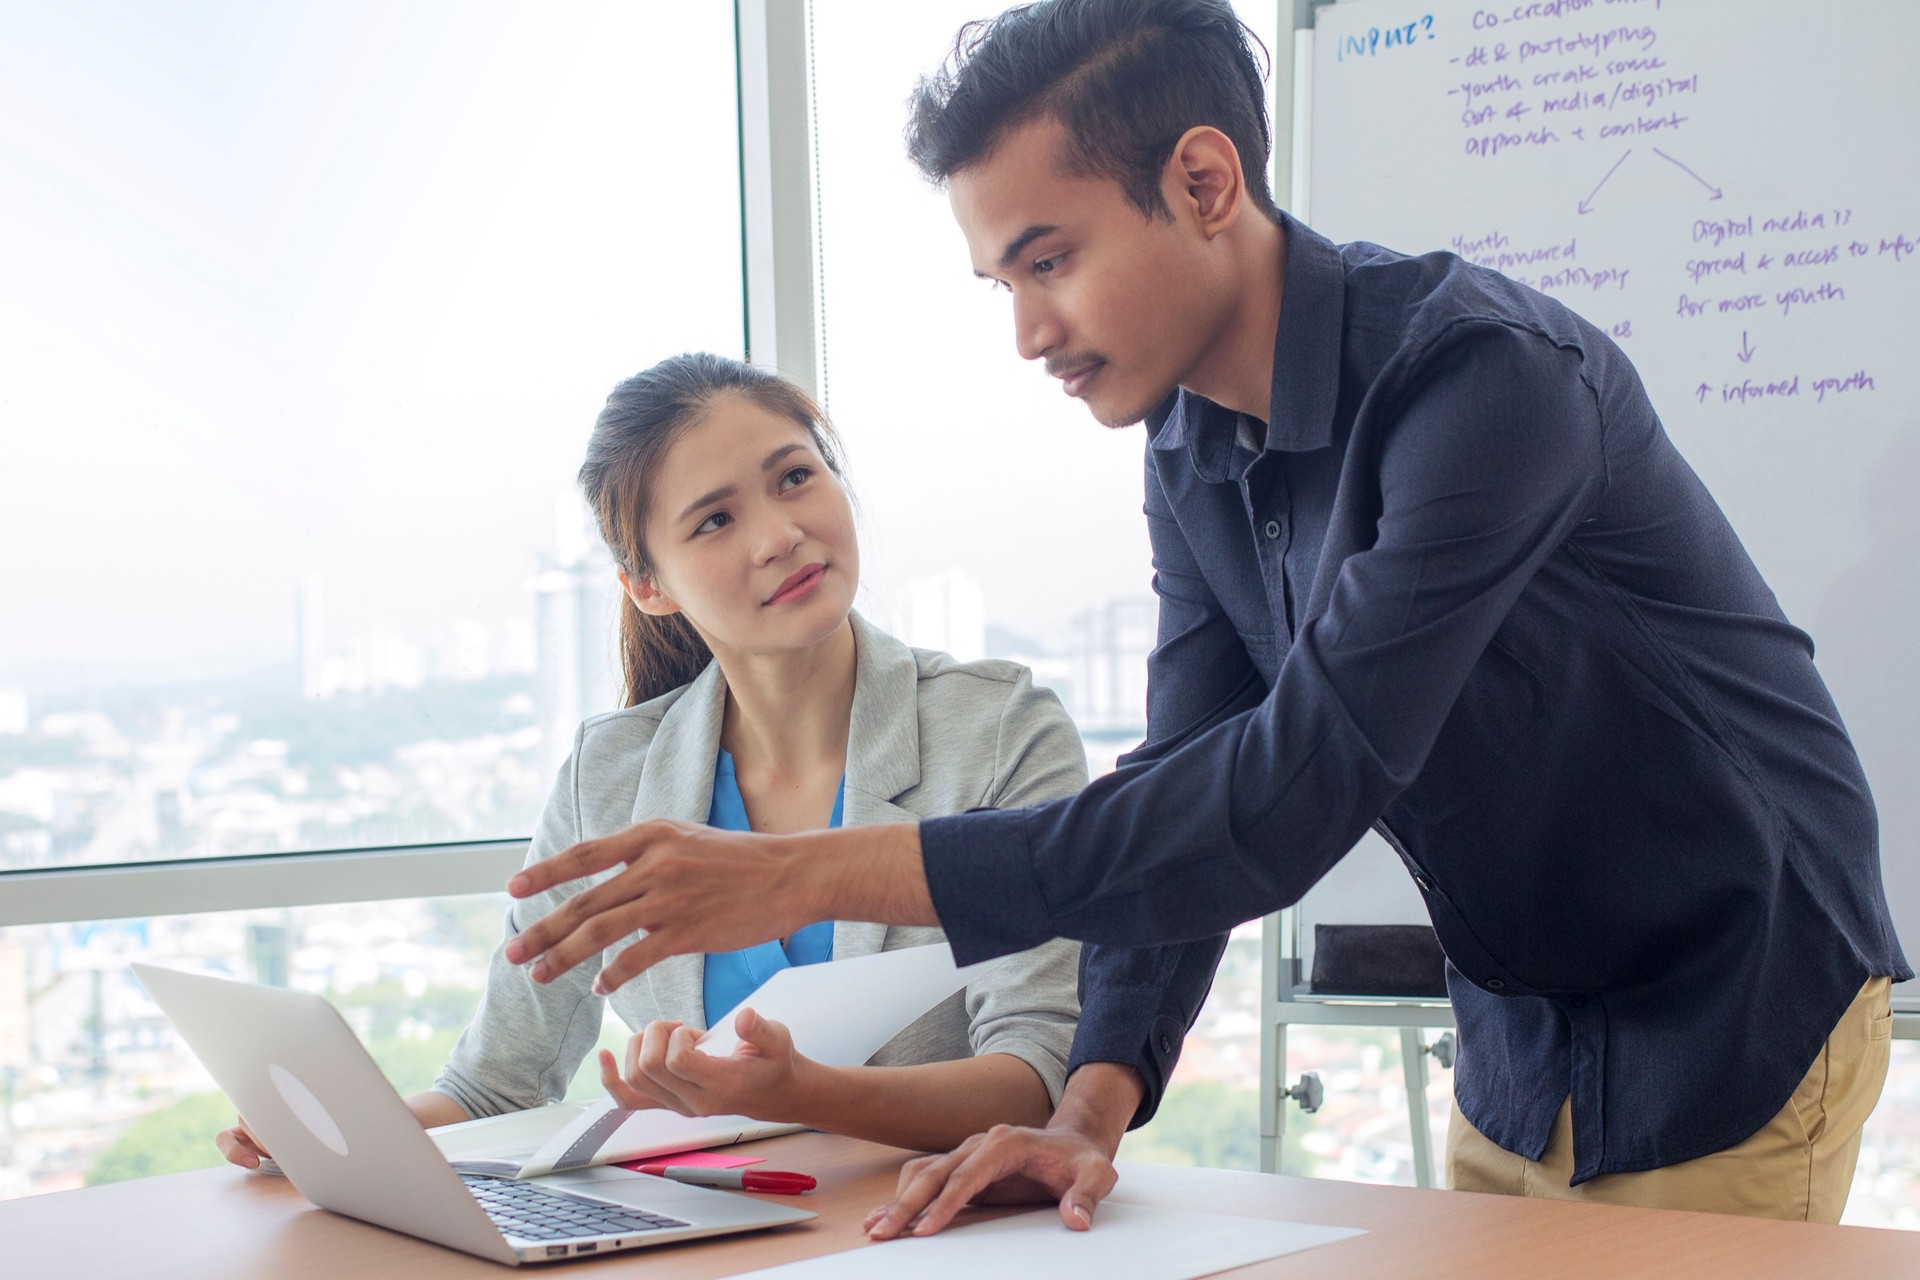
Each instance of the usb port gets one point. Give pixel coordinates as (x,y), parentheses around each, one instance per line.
(585,1248)
(556,1251)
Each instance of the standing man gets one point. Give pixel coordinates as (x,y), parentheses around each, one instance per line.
(1428,563)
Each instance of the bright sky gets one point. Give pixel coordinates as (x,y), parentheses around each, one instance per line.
(337,288)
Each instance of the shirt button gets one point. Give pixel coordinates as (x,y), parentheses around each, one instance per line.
(1166,1042)
(1494,984)
(1273,528)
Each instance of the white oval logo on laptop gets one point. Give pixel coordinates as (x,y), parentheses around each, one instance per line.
(308,1108)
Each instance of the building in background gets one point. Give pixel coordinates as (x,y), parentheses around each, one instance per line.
(1109,651)
(575,626)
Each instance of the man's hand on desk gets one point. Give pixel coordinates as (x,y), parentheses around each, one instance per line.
(693,888)
(1069,1161)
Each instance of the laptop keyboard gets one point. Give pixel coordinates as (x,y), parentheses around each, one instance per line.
(538,1213)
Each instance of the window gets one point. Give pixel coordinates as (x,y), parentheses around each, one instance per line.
(322,304)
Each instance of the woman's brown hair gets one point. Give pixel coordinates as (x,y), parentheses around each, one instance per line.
(642,419)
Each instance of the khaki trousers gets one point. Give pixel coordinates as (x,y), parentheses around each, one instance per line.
(1800,1165)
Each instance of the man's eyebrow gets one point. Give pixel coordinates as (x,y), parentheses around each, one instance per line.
(727,491)
(1019,243)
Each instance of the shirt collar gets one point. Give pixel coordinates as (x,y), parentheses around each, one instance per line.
(1306,367)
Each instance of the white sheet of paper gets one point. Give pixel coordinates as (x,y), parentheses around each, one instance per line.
(524,1144)
(1131,1240)
(841,1012)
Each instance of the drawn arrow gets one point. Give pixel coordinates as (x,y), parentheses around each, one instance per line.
(1586,206)
(1717,193)
(1746,351)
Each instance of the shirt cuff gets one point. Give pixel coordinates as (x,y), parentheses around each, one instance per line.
(1116,1043)
(980,876)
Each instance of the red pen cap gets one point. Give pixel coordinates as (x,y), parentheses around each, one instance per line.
(771,1180)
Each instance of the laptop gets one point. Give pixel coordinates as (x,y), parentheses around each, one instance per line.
(306,1086)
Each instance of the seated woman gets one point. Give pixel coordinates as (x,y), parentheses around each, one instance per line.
(757,699)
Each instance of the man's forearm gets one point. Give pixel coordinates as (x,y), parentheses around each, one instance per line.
(1099,1102)
(860,873)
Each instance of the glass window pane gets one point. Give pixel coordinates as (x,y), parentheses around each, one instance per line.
(322,303)
(95,1085)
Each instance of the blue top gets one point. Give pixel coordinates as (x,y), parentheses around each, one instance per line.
(1462,588)
(732,976)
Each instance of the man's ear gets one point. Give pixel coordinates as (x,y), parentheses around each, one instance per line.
(1204,180)
(646,594)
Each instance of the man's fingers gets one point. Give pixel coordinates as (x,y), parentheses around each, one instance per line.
(992,1162)
(589,857)
(636,960)
(596,932)
(921,1180)
(1091,1184)
(567,919)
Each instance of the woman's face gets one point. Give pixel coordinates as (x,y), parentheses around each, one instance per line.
(750,535)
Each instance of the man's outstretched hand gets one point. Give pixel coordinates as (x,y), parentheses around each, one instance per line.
(692,888)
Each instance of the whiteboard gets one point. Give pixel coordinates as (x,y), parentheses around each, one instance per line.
(1730,190)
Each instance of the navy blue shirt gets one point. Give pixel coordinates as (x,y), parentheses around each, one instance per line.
(1464,591)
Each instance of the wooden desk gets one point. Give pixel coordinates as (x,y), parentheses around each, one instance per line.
(221,1223)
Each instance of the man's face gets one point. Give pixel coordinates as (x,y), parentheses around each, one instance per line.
(1116,303)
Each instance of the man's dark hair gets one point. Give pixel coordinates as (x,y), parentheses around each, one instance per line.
(1126,78)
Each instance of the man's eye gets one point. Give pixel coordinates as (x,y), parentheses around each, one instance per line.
(717,521)
(795,477)
(1046,265)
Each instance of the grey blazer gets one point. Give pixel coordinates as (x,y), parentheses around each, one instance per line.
(929,736)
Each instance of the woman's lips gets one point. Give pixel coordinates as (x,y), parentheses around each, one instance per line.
(800,584)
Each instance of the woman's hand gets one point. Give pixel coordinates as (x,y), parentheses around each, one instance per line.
(239,1145)
(763,1078)
(431,1109)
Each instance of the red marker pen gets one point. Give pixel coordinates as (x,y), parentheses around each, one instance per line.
(786,1184)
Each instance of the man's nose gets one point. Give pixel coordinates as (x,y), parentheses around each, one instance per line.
(1036,329)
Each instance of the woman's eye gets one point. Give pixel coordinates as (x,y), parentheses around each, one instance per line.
(794,477)
(717,521)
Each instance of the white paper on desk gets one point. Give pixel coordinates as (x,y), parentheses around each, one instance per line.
(1131,1240)
(842,1012)
(526,1144)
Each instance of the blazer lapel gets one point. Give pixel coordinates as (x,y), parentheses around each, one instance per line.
(883,755)
(677,782)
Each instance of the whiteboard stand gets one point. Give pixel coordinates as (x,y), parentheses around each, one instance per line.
(1285,1001)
